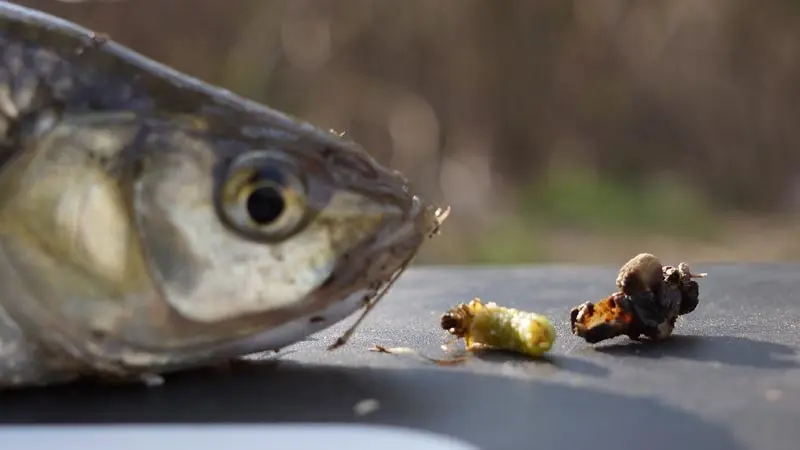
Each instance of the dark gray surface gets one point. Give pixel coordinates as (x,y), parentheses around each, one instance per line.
(729,379)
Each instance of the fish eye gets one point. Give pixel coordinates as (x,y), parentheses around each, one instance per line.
(265,204)
(264,198)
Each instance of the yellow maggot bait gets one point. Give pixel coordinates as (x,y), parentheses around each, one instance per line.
(493,326)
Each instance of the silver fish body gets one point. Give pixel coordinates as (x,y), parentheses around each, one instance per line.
(150,222)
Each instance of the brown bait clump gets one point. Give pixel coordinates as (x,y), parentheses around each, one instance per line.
(648,301)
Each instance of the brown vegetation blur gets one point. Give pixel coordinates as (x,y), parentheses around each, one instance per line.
(558,130)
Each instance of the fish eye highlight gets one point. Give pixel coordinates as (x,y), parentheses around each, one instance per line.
(263,198)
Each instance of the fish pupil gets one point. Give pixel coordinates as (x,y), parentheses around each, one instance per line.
(265,205)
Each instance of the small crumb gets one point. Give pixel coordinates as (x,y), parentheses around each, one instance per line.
(366,406)
(152,380)
(773,395)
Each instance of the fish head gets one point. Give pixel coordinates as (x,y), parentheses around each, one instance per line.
(149,219)
(186,238)
(265,230)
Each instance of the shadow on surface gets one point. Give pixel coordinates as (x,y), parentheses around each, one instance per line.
(491,412)
(560,362)
(731,350)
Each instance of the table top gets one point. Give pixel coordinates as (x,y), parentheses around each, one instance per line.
(728,379)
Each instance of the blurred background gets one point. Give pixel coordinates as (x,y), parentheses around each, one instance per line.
(559,131)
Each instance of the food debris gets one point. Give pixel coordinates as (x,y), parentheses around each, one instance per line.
(152,380)
(648,301)
(411,351)
(366,406)
(486,326)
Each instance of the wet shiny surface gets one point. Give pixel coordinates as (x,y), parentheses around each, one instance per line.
(729,378)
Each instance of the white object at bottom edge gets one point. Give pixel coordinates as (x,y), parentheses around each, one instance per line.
(228,437)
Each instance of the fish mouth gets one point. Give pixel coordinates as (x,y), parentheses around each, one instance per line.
(376,260)
(388,256)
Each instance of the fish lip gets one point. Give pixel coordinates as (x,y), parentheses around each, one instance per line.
(376,259)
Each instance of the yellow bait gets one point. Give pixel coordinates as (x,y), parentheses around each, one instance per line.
(490,325)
